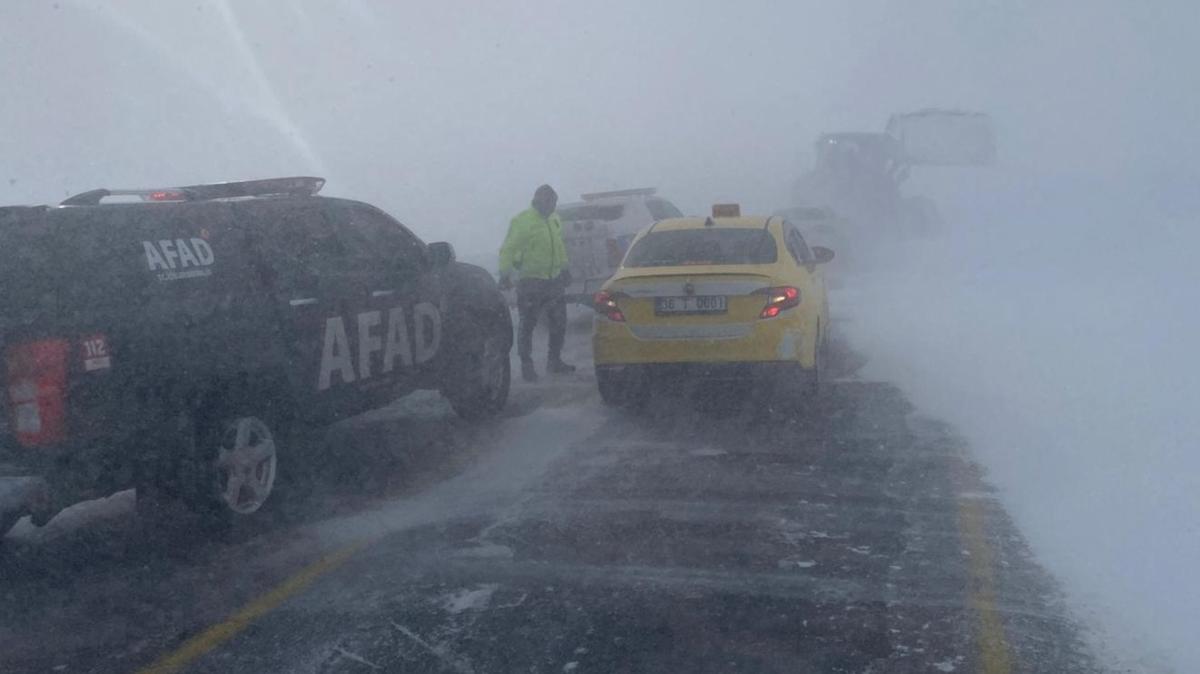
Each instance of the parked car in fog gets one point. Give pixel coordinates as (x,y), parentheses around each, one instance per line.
(598,230)
(718,299)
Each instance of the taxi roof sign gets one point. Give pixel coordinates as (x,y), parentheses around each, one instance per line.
(727,211)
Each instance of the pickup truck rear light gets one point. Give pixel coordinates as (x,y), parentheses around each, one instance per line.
(37,391)
(605,303)
(779,299)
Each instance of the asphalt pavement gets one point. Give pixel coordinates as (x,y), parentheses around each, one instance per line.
(706,533)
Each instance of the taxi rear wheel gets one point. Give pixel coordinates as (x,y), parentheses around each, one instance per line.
(815,379)
(800,387)
(624,389)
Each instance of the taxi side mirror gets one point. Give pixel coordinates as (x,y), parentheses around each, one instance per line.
(822,254)
(440,254)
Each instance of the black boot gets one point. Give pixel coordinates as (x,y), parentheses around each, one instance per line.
(527,371)
(556,366)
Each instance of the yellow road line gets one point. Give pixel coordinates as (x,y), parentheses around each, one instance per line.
(994,656)
(994,652)
(214,636)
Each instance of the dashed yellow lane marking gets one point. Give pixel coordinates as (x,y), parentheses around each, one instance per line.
(994,655)
(214,636)
(994,652)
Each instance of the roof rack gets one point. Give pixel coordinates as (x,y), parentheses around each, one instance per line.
(302,186)
(636,192)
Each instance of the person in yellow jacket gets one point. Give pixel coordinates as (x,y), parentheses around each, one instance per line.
(534,253)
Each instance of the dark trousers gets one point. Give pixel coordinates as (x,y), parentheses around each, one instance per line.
(533,297)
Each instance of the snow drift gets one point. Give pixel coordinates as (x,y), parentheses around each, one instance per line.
(1057,329)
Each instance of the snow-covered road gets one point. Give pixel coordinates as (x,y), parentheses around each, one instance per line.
(567,537)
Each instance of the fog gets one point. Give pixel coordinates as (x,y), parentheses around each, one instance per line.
(1052,320)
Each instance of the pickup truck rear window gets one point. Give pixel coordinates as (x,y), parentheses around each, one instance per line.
(703,246)
(118,258)
(28,268)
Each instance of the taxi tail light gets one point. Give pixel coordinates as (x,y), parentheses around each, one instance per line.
(614,253)
(37,391)
(779,299)
(605,303)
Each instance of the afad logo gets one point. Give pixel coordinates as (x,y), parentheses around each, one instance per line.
(175,259)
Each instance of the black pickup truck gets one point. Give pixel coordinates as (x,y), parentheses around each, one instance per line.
(171,339)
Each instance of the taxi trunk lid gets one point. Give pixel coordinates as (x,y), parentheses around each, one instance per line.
(707,304)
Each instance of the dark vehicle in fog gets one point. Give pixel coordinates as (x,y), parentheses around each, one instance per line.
(860,174)
(173,341)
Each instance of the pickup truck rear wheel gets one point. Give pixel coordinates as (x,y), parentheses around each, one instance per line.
(225,468)
(246,464)
(232,474)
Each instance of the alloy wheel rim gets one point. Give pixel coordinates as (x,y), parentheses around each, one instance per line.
(247,462)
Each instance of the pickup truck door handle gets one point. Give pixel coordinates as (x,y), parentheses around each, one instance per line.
(382,293)
(302,301)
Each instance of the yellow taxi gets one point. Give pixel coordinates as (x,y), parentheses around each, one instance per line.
(718,298)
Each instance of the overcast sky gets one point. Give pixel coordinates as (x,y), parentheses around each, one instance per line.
(448,114)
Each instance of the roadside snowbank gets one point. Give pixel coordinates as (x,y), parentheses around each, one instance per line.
(1066,352)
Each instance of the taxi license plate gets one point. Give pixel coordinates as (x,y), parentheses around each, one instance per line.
(698,304)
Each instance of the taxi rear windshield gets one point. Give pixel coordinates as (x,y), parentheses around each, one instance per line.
(703,246)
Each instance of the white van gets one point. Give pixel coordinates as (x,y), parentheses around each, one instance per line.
(598,230)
